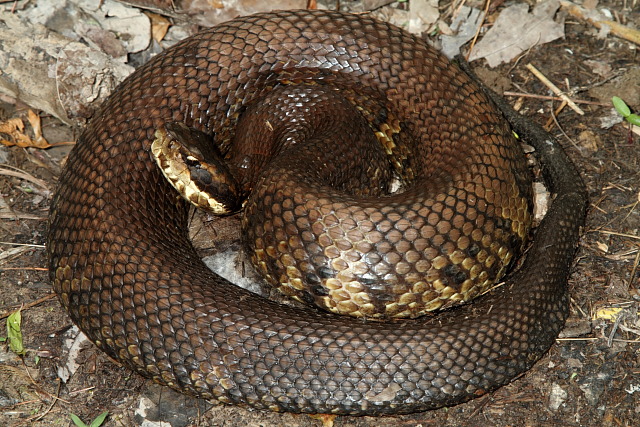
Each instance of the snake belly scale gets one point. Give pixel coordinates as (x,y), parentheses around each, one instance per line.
(124,269)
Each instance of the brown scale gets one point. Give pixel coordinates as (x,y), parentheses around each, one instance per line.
(124,269)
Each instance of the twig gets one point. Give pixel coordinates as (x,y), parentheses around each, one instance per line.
(13,252)
(555,89)
(475,36)
(596,20)
(13,171)
(615,233)
(634,269)
(20,215)
(54,398)
(552,119)
(82,390)
(32,245)
(553,98)
(555,120)
(28,305)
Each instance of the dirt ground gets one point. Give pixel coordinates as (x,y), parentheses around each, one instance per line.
(590,377)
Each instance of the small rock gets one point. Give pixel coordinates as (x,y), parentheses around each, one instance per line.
(557,397)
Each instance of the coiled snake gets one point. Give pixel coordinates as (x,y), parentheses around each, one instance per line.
(122,264)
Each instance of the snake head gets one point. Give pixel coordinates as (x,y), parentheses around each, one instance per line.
(192,164)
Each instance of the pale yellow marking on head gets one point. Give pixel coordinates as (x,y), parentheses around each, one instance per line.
(177,173)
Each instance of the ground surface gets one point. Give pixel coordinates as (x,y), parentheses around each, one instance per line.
(591,377)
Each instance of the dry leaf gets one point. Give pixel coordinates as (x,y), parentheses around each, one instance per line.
(517,30)
(603,247)
(159,26)
(608,313)
(36,124)
(14,128)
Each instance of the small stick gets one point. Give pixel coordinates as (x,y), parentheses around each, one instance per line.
(7,312)
(24,175)
(635,268)
(615,233)
(596,20)
(555,89)
(552,119)
(475,36)
(553,98)
(555,120)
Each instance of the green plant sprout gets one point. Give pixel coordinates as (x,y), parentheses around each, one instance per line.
(97,422)
(625,111)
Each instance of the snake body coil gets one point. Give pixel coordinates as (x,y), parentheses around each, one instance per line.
(125,270)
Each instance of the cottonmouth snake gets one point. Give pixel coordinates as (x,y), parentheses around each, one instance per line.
(121,262)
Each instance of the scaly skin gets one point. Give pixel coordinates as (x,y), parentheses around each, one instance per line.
(124,269)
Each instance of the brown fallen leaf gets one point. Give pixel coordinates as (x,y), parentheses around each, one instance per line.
(36,124)
(14,128)
(159,26)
